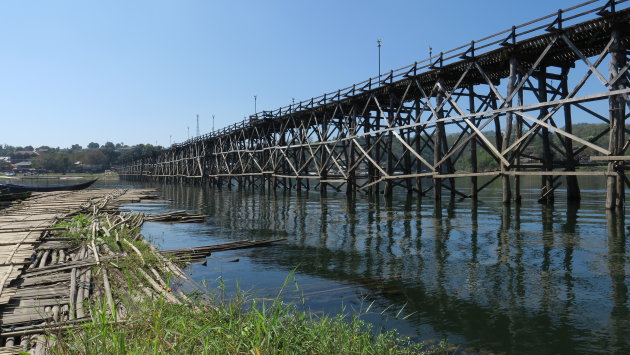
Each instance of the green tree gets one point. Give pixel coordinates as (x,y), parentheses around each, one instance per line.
(94,157)
(5,165)
(109,149)
(53,161)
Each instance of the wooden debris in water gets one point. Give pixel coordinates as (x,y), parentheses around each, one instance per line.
(176,216)
(198,253)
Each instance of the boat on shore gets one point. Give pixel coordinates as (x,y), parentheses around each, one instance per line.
(11,188)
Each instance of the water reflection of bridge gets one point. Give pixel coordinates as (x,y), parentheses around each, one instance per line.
(508,99)
(509,277)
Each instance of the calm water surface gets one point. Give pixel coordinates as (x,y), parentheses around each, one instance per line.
(515,279)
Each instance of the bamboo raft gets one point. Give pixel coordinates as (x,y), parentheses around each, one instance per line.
(45,283)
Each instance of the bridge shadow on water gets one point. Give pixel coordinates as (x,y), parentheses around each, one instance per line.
(516,278)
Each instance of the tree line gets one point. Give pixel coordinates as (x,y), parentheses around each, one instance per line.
(62,160)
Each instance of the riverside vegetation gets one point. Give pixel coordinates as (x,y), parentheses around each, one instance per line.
(128,319)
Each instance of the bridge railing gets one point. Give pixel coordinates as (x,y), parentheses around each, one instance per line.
(554,21)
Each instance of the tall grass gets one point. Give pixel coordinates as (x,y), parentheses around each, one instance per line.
(213,323)
(230,328)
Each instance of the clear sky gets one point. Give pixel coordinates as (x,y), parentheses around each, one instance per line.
(139,71)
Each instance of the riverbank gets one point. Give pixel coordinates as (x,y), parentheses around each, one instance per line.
(133,319)
(126,297)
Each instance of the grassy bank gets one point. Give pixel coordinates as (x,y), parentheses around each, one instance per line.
(133,320)
(230,328)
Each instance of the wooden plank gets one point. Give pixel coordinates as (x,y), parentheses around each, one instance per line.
(609,158)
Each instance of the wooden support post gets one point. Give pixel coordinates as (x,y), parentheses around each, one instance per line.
(573,189)
(390,154)
(418,132)
(407,161)
(437,149)
(283,164)
(519,134)
(474,190)
(497,123)
(324,158)
(547,159)
(371,170)
(269,158)
(614,184)
(448,163)
(350,158)
(505,179)
(377,151)
(302,141)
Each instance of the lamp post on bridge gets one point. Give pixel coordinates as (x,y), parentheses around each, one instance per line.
(255,109)
(379,42)
(212,123)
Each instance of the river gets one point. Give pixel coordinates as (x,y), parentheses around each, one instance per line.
(518,279)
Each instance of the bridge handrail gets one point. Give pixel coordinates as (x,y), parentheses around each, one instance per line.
(416,68)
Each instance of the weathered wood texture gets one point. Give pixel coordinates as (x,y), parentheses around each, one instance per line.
(43,281)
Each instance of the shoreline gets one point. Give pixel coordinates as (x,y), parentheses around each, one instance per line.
(140,301)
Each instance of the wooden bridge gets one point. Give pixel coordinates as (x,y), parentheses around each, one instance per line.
(507,101)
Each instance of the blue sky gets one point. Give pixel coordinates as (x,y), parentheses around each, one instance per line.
(139,71)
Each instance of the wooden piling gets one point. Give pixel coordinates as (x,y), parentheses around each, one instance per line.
(547,193)
(474,189)
(505,179)
(573,188)
(615,183)
(437,148)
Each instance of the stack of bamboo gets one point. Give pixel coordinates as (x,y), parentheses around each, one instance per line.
(48,280)
(35,272)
